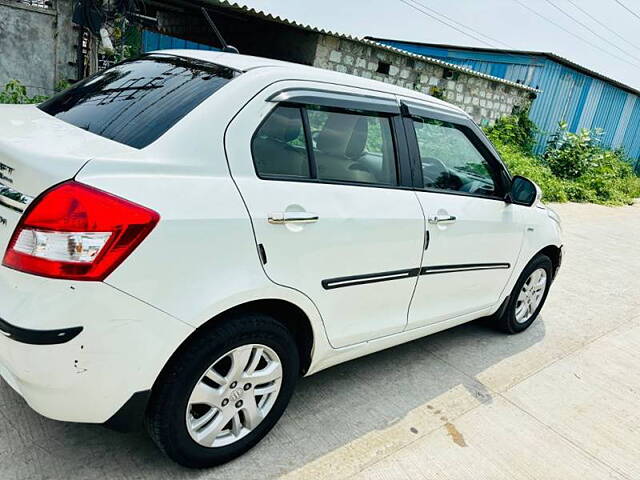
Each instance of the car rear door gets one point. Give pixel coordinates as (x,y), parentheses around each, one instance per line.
(325,177)
(474,236)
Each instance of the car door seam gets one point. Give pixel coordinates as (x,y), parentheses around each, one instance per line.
(244,202)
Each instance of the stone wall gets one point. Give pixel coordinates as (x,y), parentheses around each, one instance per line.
(37,45)
(484,99)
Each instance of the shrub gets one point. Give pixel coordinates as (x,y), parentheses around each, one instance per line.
(519,163)
(517,130)
(595,173)
(569,154)
(62,85)
(16,93)
(610,179)
(574,167)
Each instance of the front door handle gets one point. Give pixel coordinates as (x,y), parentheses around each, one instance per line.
(292,217)
(442,219)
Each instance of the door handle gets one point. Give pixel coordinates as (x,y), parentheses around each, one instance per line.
(442,219)
(292,217)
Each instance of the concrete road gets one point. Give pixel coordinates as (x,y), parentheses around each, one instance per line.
(560,401)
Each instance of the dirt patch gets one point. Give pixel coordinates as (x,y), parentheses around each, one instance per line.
(455,434)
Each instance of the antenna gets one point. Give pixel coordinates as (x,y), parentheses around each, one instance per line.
(225,46)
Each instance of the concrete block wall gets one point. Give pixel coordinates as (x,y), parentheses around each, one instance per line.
(484,99)
(37,45)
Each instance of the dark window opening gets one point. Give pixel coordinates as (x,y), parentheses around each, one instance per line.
(411,63)
(279,146)
(383,67)
(352,147)
(137,101)
(451,162)
(338,146)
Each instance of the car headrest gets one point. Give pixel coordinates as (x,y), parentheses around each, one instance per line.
(283,125)
(358,139)
(336,134)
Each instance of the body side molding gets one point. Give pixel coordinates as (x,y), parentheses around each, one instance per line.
(352,280)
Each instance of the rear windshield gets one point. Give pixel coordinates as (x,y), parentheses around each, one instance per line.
(137,101)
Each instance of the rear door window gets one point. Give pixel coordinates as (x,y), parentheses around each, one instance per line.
(279,146)
(353,147)
(137,101)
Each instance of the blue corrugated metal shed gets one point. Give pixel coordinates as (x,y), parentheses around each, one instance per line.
(570,92)
(157,41)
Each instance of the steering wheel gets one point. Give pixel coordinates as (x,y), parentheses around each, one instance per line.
(434,172)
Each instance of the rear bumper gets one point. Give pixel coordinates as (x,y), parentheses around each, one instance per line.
(78,351)
(130,416)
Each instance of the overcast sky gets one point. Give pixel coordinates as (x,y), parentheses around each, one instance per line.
(611,47)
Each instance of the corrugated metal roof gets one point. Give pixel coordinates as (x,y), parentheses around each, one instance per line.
(549,55)
(367,41)
(571,94)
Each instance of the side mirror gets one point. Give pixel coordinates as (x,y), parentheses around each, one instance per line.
(524,192)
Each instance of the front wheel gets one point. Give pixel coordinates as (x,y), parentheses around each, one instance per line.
(527,297)
(224,391)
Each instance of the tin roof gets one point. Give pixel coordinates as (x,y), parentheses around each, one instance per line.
(366,41)
(549,55)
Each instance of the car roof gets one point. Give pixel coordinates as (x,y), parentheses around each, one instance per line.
(247,62)
(231,60)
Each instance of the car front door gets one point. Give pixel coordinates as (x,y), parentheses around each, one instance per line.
(321,172)
(474,236)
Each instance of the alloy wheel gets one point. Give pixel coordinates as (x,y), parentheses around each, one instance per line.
(234,395)
(531,295)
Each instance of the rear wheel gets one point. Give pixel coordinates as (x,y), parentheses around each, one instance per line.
(527,297)
(224,392)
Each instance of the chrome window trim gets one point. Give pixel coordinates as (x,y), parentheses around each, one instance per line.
(434,111)
(326,98)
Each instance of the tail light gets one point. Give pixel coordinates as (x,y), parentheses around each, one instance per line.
(77,232)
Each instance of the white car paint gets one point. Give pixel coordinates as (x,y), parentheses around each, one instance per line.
(361,230)
(485,231)
(202,258)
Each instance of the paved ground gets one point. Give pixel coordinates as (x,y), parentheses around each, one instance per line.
(561,401)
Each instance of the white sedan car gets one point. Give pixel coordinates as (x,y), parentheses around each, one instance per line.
(187,233)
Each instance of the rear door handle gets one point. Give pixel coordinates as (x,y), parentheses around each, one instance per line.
(292,217)
(442,219)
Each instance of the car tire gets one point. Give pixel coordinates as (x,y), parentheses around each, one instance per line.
(173,421)
(524,304)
